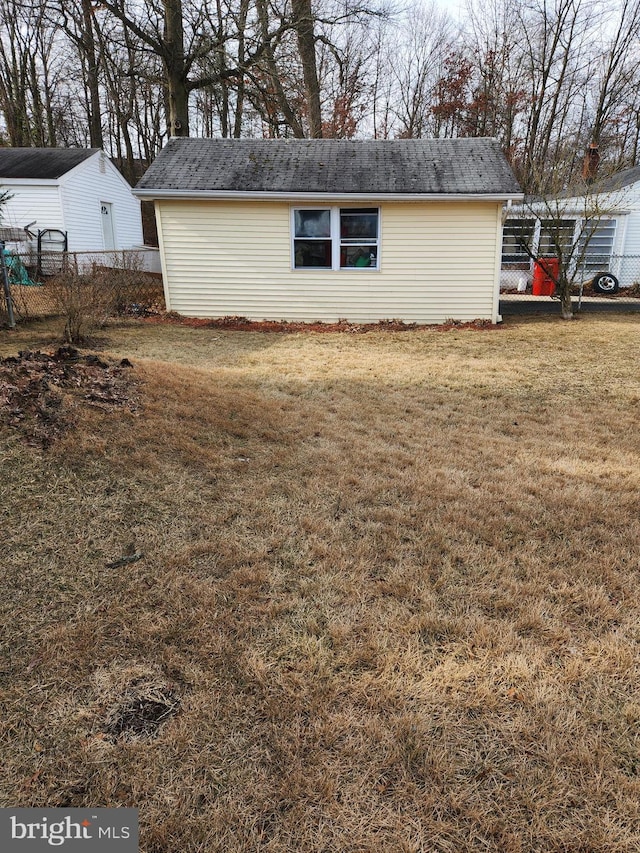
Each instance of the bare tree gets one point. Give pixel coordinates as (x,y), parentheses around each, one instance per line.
(427,38)
(568,215)
(501,90)
(17,47)
(303,22)
(546,77)
(164,36)
(618,77)
(556,43)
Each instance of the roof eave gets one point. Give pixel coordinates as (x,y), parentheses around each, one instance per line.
(539,209)
(29,182)
(236,195)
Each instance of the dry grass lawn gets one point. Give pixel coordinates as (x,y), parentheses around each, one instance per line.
(388,600)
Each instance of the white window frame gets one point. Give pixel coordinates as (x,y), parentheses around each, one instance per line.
(335,238)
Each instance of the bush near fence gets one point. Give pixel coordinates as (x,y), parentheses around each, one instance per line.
(126,286)
(119,281)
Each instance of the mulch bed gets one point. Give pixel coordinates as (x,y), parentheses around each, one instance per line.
(40,392)
(243,324)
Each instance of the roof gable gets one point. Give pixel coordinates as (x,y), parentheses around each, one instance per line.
(196,167)
(41,163)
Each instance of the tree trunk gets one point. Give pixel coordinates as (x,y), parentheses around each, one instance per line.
(51,127)
(174,64)
(564,292)
(242,22)
(303,23)
(280,96)
(13,91)
(39,134)
(93,83)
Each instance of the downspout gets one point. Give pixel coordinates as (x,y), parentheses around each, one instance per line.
(501,218)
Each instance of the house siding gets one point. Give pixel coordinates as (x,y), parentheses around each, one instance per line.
(628,269)
(82,190)
(32,203)
(437,262)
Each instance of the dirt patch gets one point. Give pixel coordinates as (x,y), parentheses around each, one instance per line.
(40,392)
(243,324)
(141,711)
(128,701)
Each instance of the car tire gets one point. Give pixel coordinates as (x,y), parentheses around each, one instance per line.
(606,283)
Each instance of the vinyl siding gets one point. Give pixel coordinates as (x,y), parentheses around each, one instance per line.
(73,205)
(82,189)
(628,267)
(32,203)
(624,206)
(437,262)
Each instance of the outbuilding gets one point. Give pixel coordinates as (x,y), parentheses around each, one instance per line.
(322,230)
(74,192)
(608,211)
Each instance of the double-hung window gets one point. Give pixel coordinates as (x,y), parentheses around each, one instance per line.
(336,237)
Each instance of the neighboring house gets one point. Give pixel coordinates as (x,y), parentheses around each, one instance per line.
(76,191)
(614,246)
(327,229)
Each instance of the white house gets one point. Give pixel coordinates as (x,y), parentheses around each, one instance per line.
(319,229)
(612,255)
(76,192)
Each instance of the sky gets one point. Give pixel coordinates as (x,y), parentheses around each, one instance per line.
(454,7)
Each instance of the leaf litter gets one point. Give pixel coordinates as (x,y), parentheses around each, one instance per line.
(40,392)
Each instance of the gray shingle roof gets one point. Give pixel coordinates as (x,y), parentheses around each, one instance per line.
(619,180)
(44,163)
(331,166)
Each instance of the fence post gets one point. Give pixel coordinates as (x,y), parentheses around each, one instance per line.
(6,287)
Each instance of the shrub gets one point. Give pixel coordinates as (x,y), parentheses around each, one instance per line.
(85,302)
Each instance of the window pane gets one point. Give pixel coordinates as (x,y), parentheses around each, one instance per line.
(554,234)
(312,253)
(312,223)
(515,233)
(597,254)
(358,256)
(358,223)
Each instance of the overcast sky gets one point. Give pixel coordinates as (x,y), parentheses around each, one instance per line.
(453,7)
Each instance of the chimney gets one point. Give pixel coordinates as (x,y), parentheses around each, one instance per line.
(590,163)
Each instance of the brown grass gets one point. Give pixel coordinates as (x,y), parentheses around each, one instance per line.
(388,599)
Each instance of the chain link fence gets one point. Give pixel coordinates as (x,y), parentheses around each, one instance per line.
(607,282)
(125,282)
(130,283)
